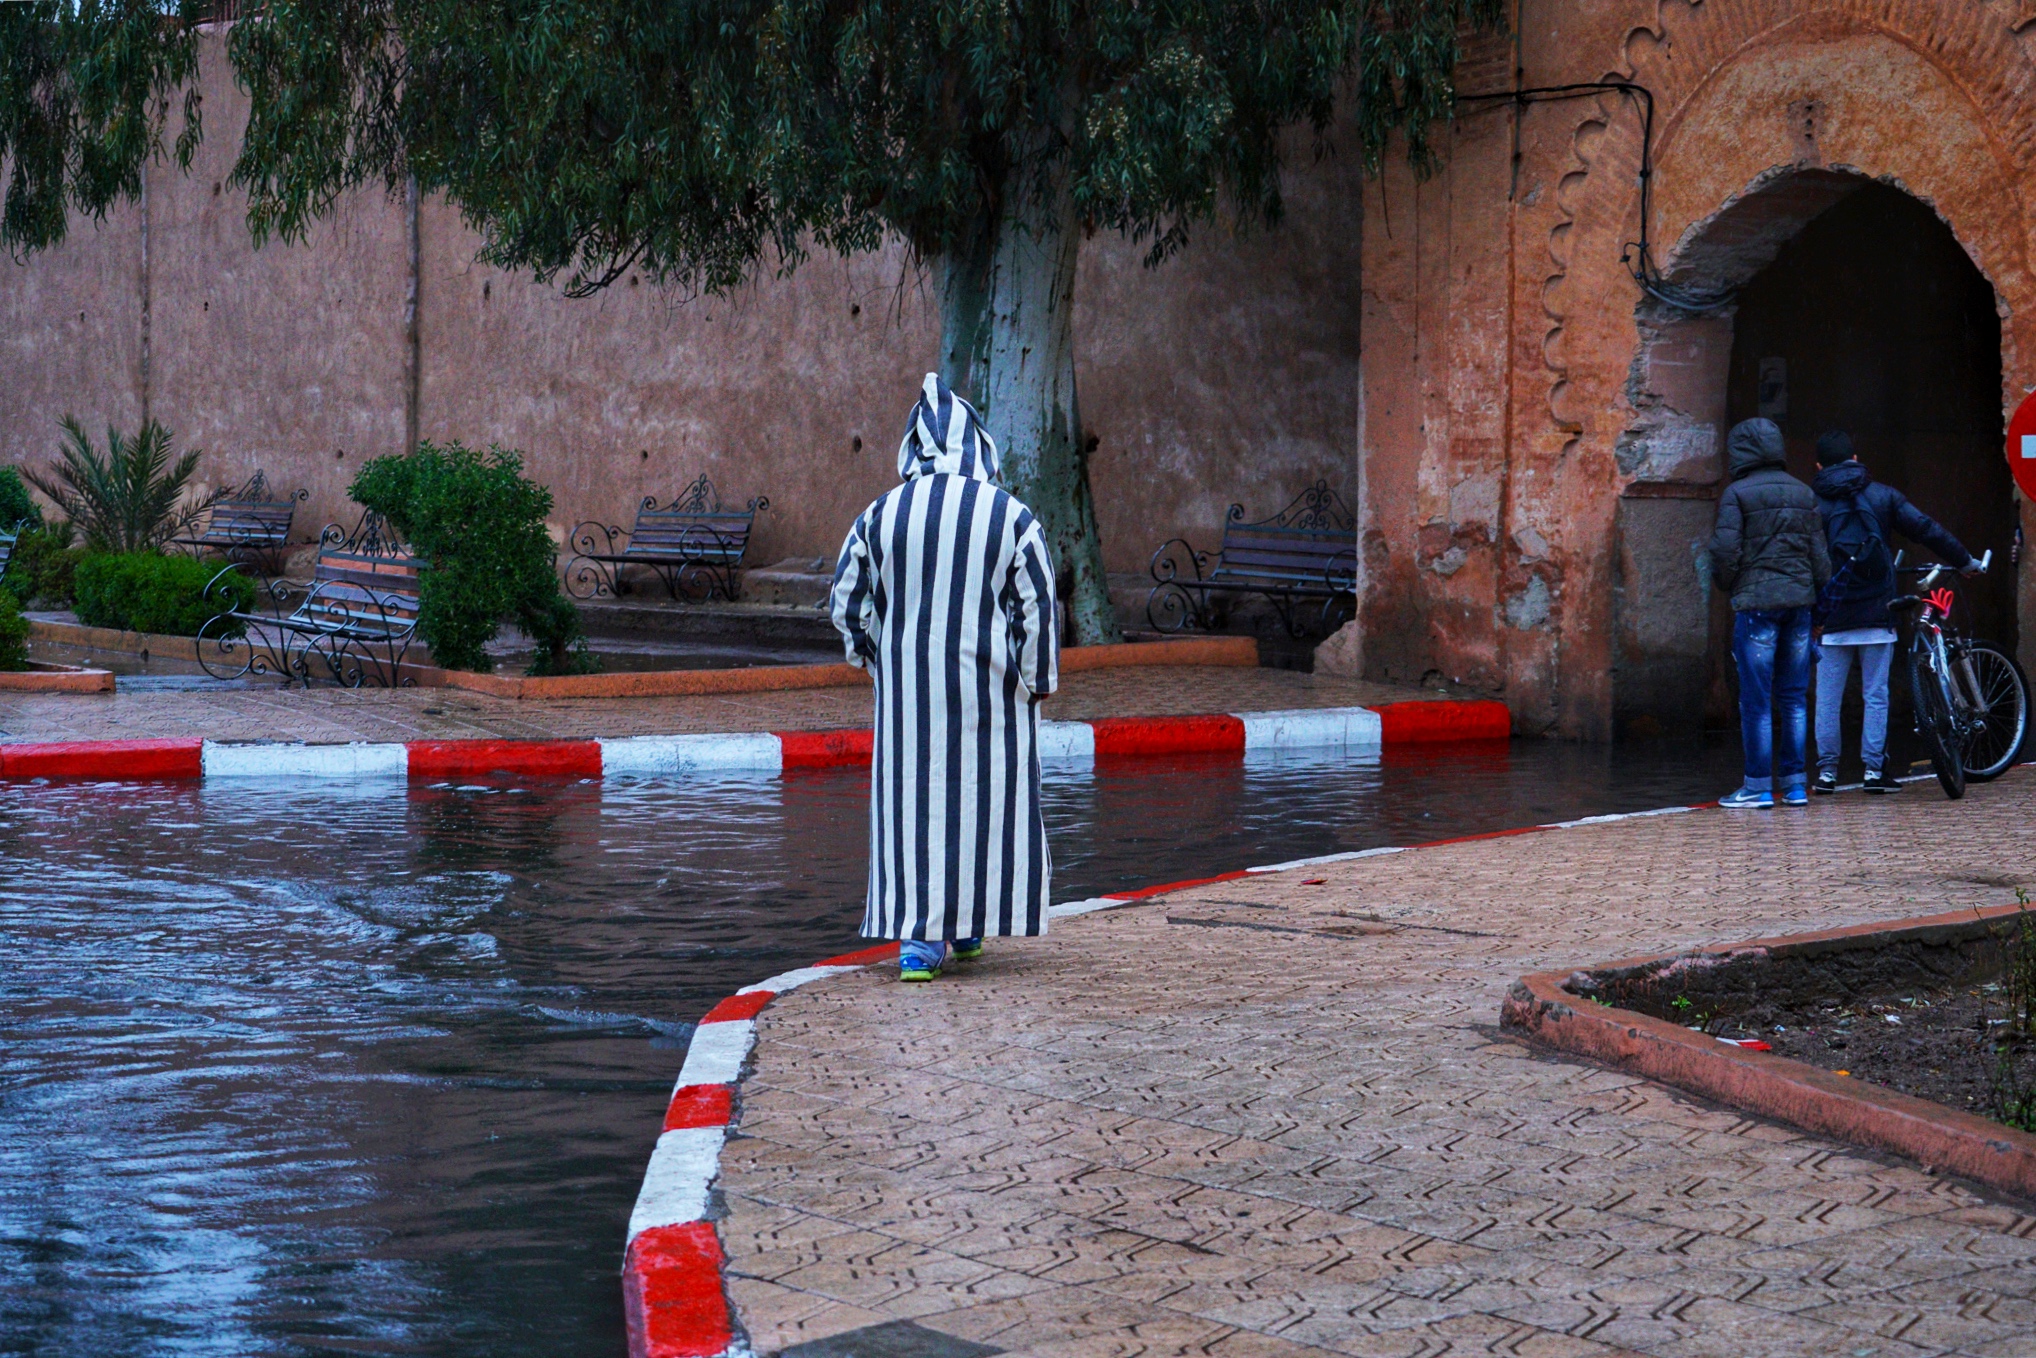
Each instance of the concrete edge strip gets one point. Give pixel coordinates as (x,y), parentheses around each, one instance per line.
(675,1298)
(1356,729)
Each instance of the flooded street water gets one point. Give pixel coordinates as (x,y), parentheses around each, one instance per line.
(374,1069)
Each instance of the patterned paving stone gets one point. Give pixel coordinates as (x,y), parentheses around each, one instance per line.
(1157,1133)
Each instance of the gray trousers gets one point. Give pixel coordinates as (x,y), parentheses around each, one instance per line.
(1834,668)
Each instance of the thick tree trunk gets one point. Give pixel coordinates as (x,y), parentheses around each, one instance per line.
(1026,385)
(964,278)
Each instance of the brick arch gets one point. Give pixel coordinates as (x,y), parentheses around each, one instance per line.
(1755,134)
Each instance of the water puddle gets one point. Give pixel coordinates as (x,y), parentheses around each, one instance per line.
(374,1068)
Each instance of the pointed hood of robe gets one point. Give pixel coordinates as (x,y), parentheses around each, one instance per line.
(946,435)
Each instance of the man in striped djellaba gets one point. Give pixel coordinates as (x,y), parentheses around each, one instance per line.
(944,593)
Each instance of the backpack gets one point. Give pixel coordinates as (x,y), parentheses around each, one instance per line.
(1861,565)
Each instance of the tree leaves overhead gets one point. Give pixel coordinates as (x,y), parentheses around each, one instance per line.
(696,139)
(85,88)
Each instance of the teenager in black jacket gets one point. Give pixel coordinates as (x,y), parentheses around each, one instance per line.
(1861,518)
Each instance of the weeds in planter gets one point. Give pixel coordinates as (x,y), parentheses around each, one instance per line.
(2007,1051)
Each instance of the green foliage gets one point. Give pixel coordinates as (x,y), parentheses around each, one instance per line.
(43,565)
(127,500)
(85,87)
(16,506)
(693,138)
(13,634)
(148,592)
(479,525)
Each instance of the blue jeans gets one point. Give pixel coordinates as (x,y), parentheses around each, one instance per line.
(1834,667)
(1771,648)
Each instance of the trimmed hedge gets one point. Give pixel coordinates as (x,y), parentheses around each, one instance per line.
(16,506)
(144,592)
(479,525)
(44,561)
(13,634)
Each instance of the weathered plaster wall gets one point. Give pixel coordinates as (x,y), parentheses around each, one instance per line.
(1228,374)
(1614,411)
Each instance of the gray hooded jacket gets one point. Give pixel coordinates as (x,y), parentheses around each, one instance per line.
(1768,548)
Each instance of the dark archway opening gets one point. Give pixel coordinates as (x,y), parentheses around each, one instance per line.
(1874,320)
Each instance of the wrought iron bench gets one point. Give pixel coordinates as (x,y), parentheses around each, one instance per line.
(692,544)
(355,621)
(1307,551)
(246,525)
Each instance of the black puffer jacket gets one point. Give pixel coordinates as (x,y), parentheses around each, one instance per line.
(1768,548)
(1837,487)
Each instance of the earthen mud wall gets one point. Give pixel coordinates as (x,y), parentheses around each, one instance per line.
(1228,374)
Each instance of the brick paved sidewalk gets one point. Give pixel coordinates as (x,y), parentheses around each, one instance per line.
(332,714)
(1273,1118)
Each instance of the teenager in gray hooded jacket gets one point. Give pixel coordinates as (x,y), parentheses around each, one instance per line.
(1768,553)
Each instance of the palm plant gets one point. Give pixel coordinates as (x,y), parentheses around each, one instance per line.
(129,500)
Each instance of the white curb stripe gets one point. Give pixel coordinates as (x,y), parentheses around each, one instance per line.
(666,756)
(1618,816)
(1349,728)
(1330,858)
(714,1057)
(792,980)
(1067,742)
(284,759)
(675,1183)
(1087,907)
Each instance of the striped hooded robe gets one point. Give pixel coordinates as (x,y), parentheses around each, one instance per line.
(944,592)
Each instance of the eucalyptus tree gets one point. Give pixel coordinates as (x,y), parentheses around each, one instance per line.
(699,141)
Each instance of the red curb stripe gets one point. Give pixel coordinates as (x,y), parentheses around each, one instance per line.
(825,749)
(882,952)
(700,1106)
(1167,735)
(516,758)
(1145,891)
(739,1007)
(115,759)
(671,1293)
(1440,719)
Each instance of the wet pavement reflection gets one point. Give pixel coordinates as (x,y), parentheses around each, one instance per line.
(374,1069)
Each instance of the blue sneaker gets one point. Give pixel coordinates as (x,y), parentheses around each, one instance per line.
(1796,796)
(1758,799)
(920,961)
(967,949)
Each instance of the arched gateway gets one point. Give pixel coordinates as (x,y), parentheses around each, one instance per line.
(1841,302)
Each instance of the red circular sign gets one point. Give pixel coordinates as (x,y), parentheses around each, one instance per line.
(2022,446)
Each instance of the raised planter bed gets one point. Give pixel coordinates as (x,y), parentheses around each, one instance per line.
(41,677)
(1636,1014)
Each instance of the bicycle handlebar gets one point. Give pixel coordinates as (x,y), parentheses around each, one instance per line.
(1932,571)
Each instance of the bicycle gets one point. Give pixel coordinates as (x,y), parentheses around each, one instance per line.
(1971,698)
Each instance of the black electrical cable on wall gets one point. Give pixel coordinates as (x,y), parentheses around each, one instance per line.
(1637,256)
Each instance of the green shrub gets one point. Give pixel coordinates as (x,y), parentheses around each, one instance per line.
(144,592)
(129,500)
(479,526)
(16,505)
(13,634)
(44,561)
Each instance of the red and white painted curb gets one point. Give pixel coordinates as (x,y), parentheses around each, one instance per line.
(672,1288)
(1354,729)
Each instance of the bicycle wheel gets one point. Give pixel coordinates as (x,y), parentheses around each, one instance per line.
(2000,717)
(1933,719)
